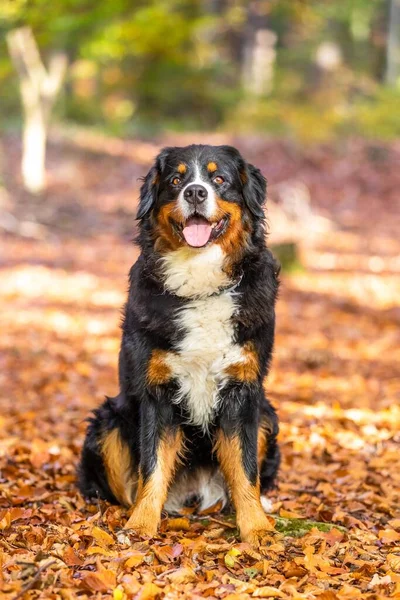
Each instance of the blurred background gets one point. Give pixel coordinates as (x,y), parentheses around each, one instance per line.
(143,68)
(309,91)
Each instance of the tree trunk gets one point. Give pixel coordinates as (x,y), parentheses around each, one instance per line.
(34,150)
(39,88)
(259,52)
(393,44)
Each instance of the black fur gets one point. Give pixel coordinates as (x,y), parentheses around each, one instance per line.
(142,412)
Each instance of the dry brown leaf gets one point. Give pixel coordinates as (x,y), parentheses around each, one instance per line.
(71,558)
(268,591)
(182,575)
(389,535)
(165,554)
(394,562)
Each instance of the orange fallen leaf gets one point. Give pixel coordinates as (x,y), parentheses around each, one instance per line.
(164,553)
(268,591)
(96,582)
(394,562)
(71,558)
(388,536)
(182,575)
(287,514)
(149,591)
(102,537)
(101,550)
(180,524)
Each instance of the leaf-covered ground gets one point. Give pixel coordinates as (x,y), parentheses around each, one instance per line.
(335,519)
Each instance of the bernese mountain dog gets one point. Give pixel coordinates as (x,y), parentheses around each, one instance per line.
(191,424)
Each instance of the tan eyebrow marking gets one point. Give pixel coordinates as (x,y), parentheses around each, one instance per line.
(212,167)
(182,168)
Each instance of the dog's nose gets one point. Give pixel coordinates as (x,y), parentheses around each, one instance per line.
(195,194)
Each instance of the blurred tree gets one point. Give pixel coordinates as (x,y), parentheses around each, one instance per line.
(39,88)
(259,50)
(393,44)
(148,65)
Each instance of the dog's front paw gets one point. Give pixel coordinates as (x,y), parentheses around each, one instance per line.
(256,537)
(145,529)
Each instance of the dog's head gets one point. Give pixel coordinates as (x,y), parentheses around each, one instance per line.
(201,195)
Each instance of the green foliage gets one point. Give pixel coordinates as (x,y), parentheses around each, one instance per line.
(300,527)
(143,66)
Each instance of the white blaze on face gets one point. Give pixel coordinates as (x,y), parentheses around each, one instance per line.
(209,206)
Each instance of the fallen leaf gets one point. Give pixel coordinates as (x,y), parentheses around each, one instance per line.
(149,591)
(182,575)
(102,537)
(377,580)
(180,524)
(71,558)
(268,591)
(394,562)
(389,535)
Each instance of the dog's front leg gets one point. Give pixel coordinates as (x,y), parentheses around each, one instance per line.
(236,448)
(161,443)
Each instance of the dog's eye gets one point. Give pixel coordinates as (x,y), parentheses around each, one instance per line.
(176,181)
(218,180)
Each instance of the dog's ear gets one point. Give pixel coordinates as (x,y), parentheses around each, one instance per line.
(149,189)
(254,189)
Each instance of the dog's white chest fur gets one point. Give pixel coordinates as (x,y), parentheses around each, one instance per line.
(207,349)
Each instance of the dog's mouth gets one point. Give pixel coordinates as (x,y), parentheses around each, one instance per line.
(197,231)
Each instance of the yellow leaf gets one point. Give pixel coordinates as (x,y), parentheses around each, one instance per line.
(229,560)
(267,591)
(5,522)
(100,550)
(118,594)
(388,536)
(181,524)
(287,514)
(102,537)
(230,557)
(149,591)
(394,562)
(135,560)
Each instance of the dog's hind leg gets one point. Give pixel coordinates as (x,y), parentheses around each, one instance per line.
(269,456)
(107,468)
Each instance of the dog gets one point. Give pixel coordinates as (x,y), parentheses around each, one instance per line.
(191,425)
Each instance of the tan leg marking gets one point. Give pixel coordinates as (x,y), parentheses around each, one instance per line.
(250,516)
(262,440)
(151,495)
(158,370)
(247,370)
(118,466)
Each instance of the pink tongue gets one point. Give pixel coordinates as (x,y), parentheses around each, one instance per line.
(197,232)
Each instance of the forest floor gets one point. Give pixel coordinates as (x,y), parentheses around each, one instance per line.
(335,381)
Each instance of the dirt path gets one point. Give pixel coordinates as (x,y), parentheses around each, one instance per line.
(335,381)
